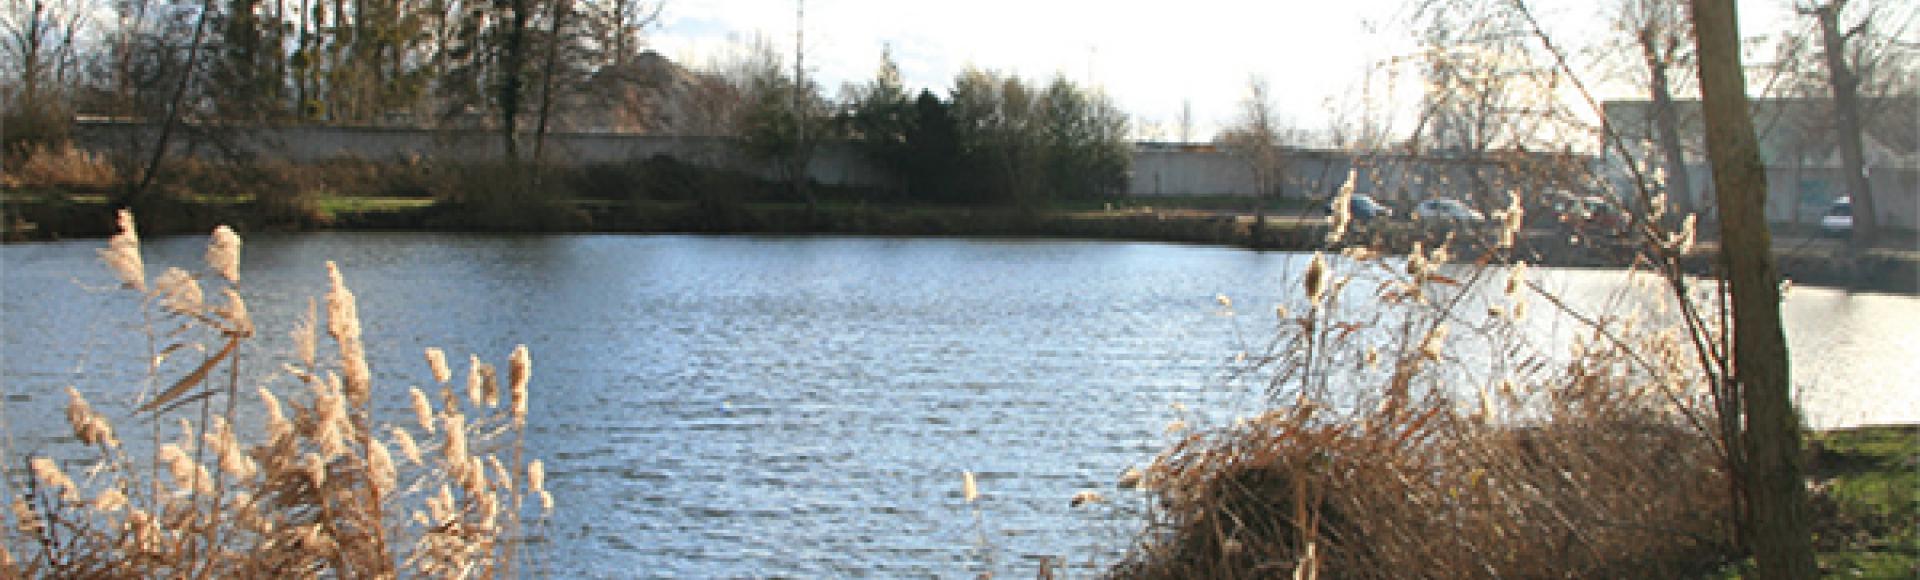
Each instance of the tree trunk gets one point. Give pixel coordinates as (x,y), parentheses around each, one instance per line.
(139,189)
(1257,235)
(557,15)
(1846,105)
(1666,121)
(30,66)
(1777,529)
(513,78)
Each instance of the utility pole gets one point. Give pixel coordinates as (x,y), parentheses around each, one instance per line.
(799,59)
(801,150)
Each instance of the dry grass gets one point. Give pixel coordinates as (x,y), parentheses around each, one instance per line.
(306,483)
(1407,437)
(58,166)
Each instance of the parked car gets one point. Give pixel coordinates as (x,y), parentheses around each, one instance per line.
(1445,210)
(1557,208)
(1602,216)
(1362,208)
(1838,222)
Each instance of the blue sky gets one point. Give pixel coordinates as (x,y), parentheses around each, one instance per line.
(1149,56)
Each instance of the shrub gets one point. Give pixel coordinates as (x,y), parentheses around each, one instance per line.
(29,129)
(61,165)
(314,484)
(1390,450)
(503,197)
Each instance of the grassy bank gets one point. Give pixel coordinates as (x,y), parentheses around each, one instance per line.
(1865,484)
(1867,501)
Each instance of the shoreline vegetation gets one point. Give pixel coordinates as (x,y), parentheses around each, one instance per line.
(1412,427)
(65,194)
(1291,227)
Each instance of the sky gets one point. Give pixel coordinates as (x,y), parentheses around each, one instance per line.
(1151,58)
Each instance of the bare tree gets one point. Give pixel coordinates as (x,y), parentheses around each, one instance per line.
(175,108)
(1777,522)
(1486,93)
(1845,86)
(39,42)
(558,13)
(1659,29)
(1255,137)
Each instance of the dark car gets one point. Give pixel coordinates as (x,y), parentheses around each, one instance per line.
(1557,209)
(1604,216)
(1362,208)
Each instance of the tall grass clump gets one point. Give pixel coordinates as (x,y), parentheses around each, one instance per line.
(198,477)
(58,165)
(1418,423)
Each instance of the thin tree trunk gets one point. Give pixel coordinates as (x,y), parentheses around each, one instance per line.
(1846,105)
(1666,121)
(1778,531)
(559,13)
(30,69)
(513,81)
(303,82)
(173,108)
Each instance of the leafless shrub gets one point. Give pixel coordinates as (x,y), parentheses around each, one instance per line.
(314,489)
(59,165)
(1389,452)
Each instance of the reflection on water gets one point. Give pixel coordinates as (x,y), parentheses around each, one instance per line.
(744,406)
(1856,357)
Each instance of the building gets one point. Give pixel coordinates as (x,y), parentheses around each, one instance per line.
(1798,145)
(1401,179)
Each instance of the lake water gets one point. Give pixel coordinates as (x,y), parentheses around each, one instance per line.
(755,406)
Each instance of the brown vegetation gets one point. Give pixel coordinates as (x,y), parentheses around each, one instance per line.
(1411,437)
(253,484)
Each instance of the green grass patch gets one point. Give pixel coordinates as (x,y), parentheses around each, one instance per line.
(1865,507)
(339,204)
(1866,501)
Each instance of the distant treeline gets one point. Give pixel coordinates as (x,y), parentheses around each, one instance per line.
(522,69)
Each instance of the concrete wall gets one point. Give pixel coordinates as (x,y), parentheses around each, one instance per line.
(1802,195)
(1311,174)
(1189,173)
(833,164)
(1398,180)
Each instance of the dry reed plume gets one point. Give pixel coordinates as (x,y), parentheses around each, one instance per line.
(307,486)
(58,165)
(1411,437)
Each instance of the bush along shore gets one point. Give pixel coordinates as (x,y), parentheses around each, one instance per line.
(28,217)
(1414,426)
(59,193)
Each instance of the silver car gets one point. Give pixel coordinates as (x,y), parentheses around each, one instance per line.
(1445,210)
(1838,222)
